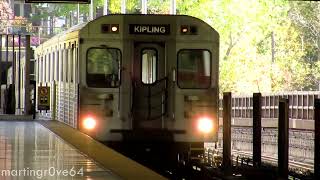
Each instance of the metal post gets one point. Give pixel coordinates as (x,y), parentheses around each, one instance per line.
(14,99)
(13,63)
(19,73)
(13,76)
(34,83)
(91,10)
(227,132)
(257,129)
(78,14)
(1,71)
(283,138)
(317,138)
(7,59)
(173,8)
(105,7)
(27,76)
(123,6)
(144,7)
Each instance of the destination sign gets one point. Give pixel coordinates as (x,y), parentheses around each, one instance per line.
(149,29)
(58,1)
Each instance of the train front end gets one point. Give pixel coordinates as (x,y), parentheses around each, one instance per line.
(149,80)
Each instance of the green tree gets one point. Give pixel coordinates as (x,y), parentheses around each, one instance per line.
(305,17)
(265,45)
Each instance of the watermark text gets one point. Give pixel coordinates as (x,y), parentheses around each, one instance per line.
(40,173)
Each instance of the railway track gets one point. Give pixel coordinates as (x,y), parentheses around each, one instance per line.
(273,160)
(241,157)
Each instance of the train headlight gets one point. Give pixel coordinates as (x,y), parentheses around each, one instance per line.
(89,123)
(205,124)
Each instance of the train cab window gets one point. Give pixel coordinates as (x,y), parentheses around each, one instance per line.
(149,66)
(103,67)
(194,69)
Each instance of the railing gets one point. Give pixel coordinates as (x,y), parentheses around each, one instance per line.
(300,105)
(39,34)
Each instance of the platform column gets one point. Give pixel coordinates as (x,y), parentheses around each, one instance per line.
(283,138)
(27,77)
(256,129)
(317,138)
(227,133)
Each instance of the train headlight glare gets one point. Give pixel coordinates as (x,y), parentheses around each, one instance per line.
(205,124)
(89,123)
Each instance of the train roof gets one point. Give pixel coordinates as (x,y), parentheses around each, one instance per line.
(82,25)
(79,27)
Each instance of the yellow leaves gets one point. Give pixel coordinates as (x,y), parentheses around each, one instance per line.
(19,20)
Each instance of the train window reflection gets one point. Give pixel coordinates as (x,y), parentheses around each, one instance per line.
(194,68)
(103,67)
(149,66)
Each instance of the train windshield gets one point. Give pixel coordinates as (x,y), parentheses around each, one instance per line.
(194,69)
(103,67)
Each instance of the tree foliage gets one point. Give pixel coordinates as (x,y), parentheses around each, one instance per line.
(306,19)
(6,16)
(266,46)
(248,62)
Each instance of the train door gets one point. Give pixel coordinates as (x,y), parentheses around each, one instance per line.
(149,84)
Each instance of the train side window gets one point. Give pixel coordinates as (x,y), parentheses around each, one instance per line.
(71,62)
(149,61)
(76,77)
(37,69)
(61,63)
(194,69)
(40,69)
(57,65)
(103,67)
(66,60)
(44,68)
(48,64)
(53,66)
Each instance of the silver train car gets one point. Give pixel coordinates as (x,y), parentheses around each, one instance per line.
(134,78)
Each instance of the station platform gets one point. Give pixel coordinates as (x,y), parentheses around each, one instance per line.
(51,150)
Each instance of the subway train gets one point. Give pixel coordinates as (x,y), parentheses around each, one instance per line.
(142,80)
